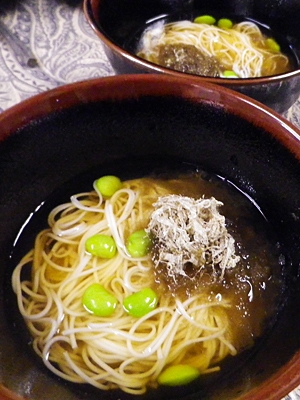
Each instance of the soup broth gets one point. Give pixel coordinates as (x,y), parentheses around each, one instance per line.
(230,47)
(199,319)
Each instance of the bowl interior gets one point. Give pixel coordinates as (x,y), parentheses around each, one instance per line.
(132,43)
(119,25)
(121,21)
(130,126)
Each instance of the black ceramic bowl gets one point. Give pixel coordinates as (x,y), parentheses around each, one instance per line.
(130,125)
(116,22)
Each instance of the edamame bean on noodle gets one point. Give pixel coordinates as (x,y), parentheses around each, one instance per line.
(199,285)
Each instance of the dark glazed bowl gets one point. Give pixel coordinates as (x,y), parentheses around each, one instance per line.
(126,124)
(116,21)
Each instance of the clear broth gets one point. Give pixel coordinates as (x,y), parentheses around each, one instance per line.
(257,294)
(133,44)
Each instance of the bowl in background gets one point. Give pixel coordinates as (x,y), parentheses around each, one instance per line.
(116,22)
(124,125)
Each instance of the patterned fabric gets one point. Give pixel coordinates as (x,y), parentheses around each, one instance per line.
(293,115)
(44,44)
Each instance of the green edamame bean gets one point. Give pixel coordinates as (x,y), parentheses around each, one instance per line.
(225,23)
(98,301)
(108,185)
(205,19)
(140,303)
(103,246)
(229,74)
(272,45)
(138,243)
(176,375)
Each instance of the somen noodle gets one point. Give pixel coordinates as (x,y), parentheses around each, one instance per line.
(242,49)
(119,350)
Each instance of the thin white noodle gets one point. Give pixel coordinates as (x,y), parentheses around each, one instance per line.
(241,48)
(181,308)
(117,351)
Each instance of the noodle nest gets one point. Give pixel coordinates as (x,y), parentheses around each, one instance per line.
(118,351)
(241,49)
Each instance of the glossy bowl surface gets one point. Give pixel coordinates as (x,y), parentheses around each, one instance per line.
(49,140)
(117,21)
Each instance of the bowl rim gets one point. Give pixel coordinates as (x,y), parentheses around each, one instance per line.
(287,378)
(68,95)
(109,43)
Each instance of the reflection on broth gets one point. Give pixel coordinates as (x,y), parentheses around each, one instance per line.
(150,281)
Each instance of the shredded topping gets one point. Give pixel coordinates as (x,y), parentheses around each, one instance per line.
(189,231)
